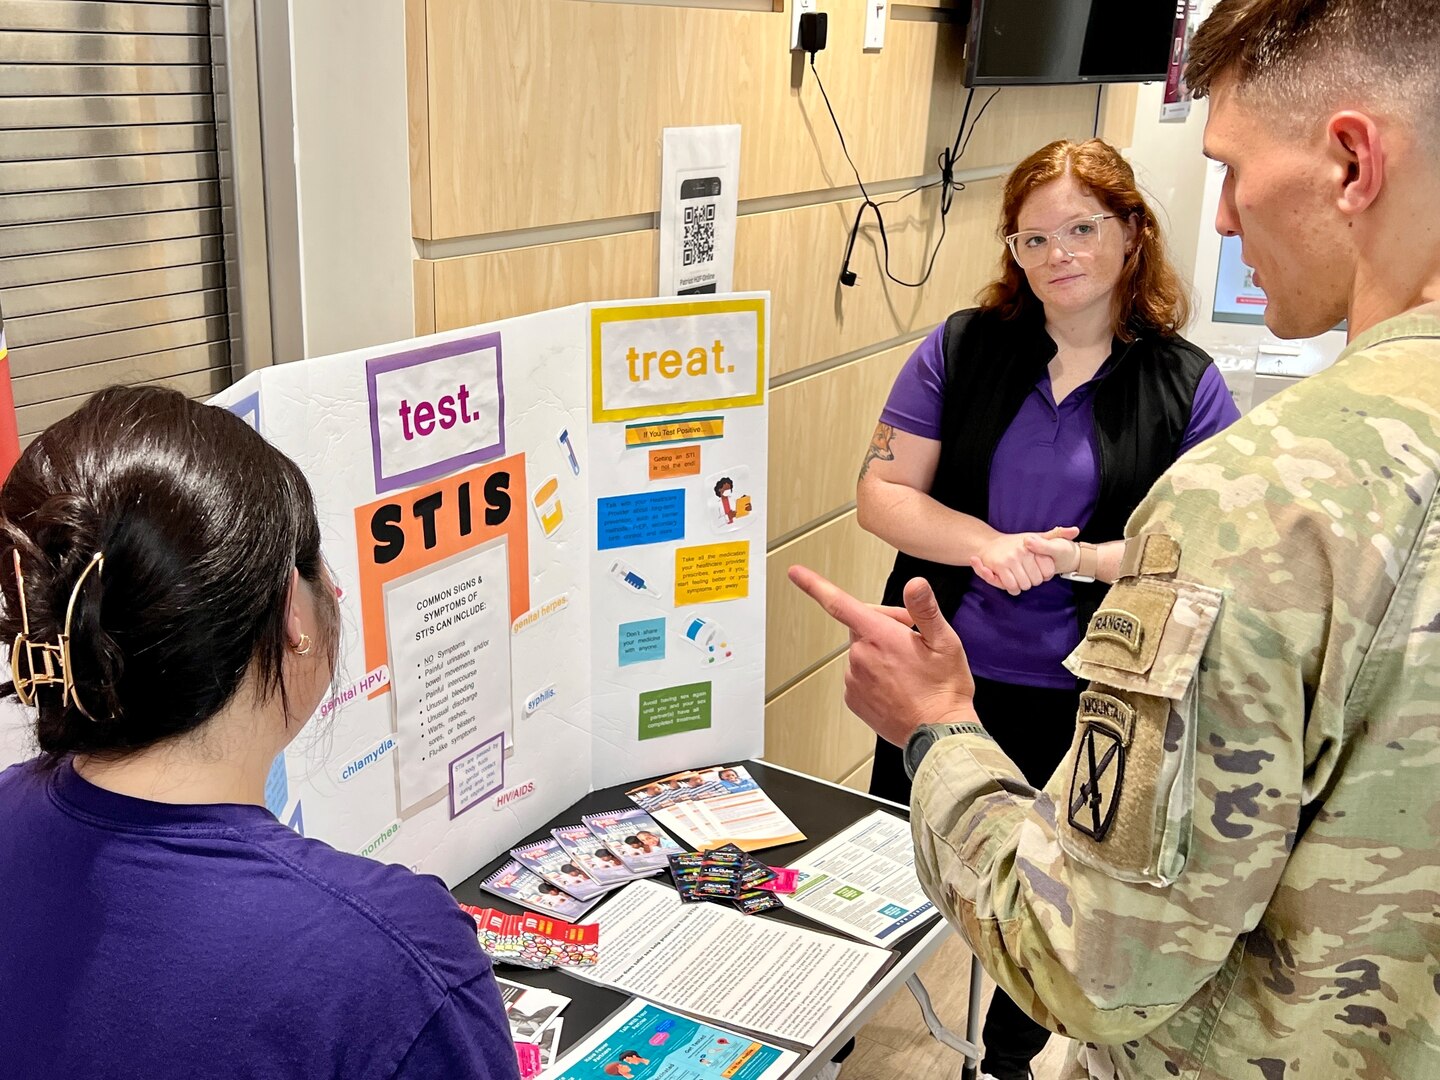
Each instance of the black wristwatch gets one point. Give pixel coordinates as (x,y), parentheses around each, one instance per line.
(927,735)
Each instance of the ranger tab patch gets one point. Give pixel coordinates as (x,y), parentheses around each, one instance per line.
(1118,625)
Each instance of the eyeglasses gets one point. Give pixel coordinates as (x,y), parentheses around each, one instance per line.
(1032,247)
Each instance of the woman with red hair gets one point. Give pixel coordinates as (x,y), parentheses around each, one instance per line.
(1017,440)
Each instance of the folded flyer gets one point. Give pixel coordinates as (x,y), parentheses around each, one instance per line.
(523,886)
(548,859)
(635,836)
(717,806)
(529,1009)
(862,882)
(591,853)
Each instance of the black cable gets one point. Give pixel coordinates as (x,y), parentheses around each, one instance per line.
(947,160)
(1099,94)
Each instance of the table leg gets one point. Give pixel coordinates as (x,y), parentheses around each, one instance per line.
(967,1048)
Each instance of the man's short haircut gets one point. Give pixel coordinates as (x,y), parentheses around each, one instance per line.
(1309,55)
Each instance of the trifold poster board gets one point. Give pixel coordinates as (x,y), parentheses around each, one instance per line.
(549,536)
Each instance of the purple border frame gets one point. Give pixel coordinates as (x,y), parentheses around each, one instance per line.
(479,798)
(380,365)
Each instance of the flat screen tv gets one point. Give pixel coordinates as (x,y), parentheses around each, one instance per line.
(1053,42)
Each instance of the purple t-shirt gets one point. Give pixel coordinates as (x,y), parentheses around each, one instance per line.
(145,939)
(1044,473)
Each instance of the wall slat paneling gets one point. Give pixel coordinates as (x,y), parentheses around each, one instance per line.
(535,131)
(819,429)
(797,632)
(497,285)
(582,92)
(809,722)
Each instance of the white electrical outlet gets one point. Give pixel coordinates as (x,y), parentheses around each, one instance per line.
(876,12)
(798,8)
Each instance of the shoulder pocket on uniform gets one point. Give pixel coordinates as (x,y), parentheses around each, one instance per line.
(1128,782)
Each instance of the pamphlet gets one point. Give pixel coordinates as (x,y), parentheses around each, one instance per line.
(548,859)
(862,882)
(717,806)
(707,960)
(549,1043)
(598,860)
(646,1040)
(528,889)
(528,1009)
(635,836)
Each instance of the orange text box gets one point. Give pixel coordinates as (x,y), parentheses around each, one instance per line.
(712,572)
(428,524)
(674,461)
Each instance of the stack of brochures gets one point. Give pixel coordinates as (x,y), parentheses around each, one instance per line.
(568,873)
(716,806)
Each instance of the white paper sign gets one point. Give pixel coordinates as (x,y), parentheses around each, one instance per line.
(450,649)
(436,408)
(658,366)
(698,192)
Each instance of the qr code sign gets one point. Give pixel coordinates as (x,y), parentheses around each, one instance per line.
(699,240)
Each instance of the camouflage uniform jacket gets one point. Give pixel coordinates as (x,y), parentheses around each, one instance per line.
(1236,871)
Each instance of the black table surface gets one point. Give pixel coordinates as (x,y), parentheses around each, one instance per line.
(817,809)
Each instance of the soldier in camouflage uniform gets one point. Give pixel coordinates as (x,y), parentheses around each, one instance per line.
(1236,871)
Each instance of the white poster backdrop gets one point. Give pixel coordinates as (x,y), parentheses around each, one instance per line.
(420,526)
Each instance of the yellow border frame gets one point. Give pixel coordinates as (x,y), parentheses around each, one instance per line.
(634,313)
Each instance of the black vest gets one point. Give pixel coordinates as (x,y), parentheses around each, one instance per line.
(1142,408)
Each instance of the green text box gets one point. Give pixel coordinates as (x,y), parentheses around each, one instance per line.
(674,709)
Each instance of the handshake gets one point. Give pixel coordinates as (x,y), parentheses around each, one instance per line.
(1019,561)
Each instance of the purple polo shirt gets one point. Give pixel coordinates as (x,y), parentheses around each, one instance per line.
(1045,473)
(145,939)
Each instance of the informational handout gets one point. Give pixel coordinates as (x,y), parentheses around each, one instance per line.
(862,882)
(716,806)
(529,1009)
(756,973)
(450,672)
(646,1040)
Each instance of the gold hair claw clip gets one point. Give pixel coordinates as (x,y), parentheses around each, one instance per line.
(34,665)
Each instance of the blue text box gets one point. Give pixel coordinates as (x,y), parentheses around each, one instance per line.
(650,517)
(642,641)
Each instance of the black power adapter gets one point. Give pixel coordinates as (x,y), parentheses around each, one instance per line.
(814,29)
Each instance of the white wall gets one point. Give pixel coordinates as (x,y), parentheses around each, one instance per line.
(353,172)
(1171,171)
(17,737)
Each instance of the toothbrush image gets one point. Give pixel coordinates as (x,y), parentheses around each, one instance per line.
(570,451)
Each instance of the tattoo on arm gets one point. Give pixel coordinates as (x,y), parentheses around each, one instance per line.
(880,447)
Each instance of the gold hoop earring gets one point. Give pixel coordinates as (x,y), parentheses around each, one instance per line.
(302,647)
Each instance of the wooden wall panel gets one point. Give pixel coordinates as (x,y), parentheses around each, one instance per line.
(578,93)
(859,780)
(424,296)
(819,429)
(796,254)
(497,285)
(808,727)
(797,632)
(417,87)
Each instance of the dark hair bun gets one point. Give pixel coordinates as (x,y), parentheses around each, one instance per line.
(199,522)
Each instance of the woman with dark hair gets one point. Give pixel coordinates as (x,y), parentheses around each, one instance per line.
(1018,439)
(174,627)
